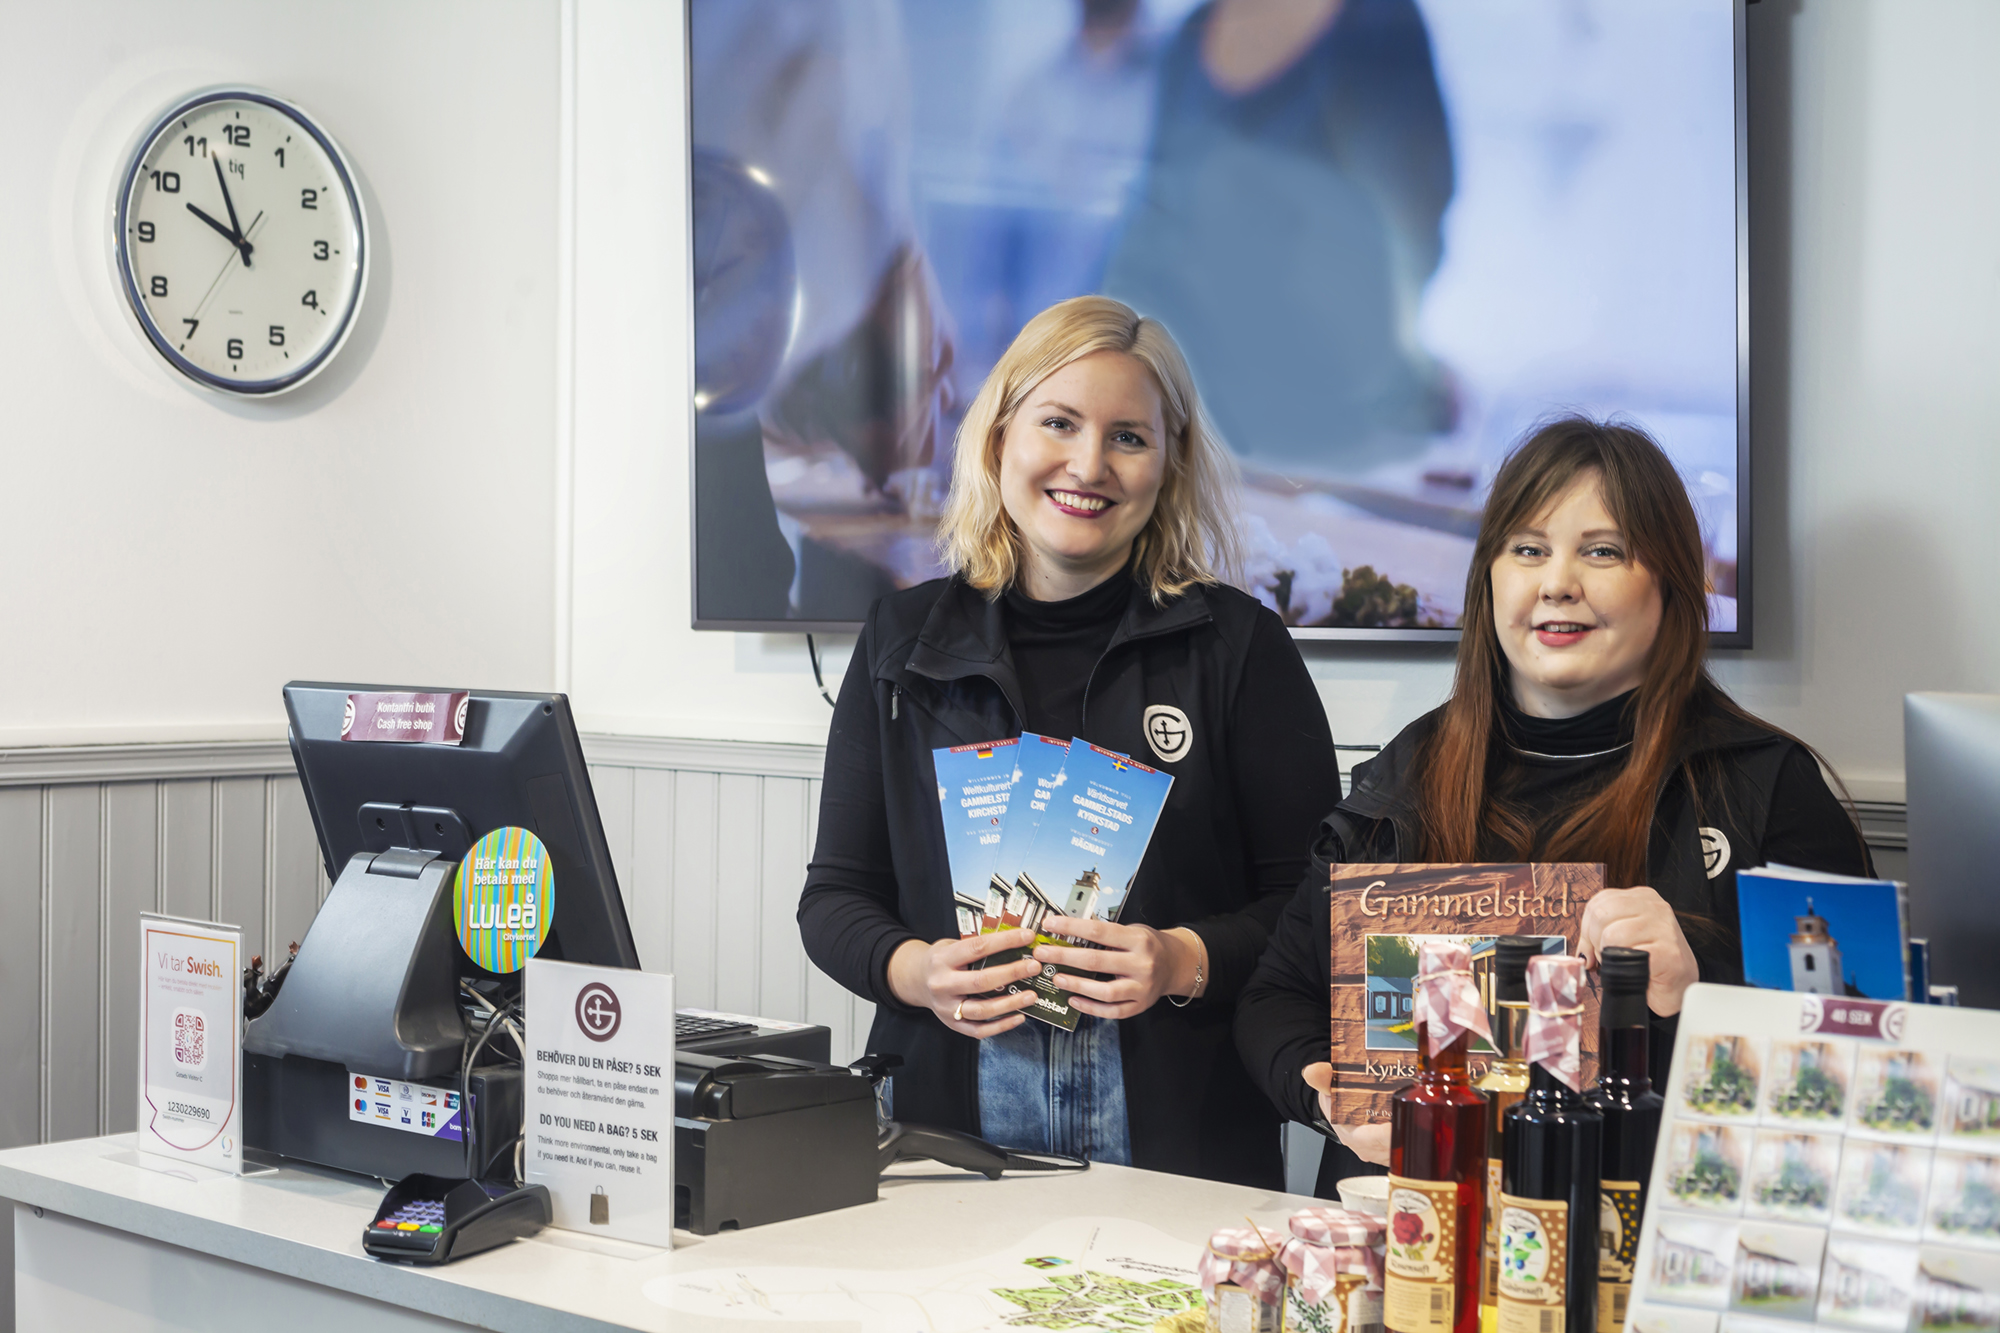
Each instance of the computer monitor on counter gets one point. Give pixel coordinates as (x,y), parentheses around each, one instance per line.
(1951,755)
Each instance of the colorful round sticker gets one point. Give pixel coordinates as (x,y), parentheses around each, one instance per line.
(505,899)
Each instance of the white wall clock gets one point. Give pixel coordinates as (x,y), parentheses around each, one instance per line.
(241,242)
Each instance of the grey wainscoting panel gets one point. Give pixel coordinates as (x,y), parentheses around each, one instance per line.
(21,965)
(90,838)
(710,841)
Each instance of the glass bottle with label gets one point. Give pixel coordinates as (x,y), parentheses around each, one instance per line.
(1549,1169)
(1505,1079)
(1437,1157)
(1624,1096)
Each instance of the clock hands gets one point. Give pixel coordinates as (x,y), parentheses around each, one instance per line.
(227,234)
(242,242)
(227,266)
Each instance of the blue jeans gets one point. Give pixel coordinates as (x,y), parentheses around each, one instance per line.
(1045,1090)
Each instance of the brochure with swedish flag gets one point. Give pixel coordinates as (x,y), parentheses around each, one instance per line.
(1087,847)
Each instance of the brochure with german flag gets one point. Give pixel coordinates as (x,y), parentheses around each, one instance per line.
(1101,810)
(975,783)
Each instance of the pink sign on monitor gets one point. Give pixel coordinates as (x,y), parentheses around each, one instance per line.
(405,717)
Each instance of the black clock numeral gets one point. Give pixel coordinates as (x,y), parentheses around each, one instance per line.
(310,299)
(196,147)
(192,324)
(159,284)
(166,182)
(281,157)
(238,135)
(235,349)
(146,231)
(319,250)
(308,198)
(277,335)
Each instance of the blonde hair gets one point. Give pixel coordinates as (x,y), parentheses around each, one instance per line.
(1191,537)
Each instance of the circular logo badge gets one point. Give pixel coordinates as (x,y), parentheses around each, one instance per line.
(1168,731)
(1714,851)
(505,899)
(598,1012)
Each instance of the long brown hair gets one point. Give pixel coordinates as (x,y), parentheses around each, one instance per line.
(1645,496)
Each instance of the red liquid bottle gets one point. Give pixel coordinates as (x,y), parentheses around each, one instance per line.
(1437,1194)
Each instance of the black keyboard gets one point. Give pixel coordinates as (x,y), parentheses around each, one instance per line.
(700,1027)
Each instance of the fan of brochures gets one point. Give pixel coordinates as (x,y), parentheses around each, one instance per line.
(1038,827)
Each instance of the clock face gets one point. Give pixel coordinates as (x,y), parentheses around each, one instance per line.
(241,243)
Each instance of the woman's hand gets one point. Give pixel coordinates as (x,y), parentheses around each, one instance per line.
(1142,964)
(1639,918)
(939,977)
(1368,1142)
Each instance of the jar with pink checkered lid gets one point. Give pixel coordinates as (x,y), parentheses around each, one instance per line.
(1333,1271)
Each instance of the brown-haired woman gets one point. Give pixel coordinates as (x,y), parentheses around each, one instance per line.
(1583,726)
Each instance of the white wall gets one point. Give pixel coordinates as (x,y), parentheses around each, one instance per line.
(172,558)
(1876,299)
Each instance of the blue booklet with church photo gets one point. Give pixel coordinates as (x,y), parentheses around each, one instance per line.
(975,784)
(1824,934)
(1087,847)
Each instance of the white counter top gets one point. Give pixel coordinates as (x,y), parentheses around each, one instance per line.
(307,1224)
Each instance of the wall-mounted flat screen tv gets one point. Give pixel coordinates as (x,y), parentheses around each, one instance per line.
(1390,236)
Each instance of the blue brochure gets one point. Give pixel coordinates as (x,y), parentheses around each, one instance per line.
(1809,931)
(1088,845)
(1038,773)
(975,783)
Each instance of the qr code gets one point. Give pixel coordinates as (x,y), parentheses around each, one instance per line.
(190,1039)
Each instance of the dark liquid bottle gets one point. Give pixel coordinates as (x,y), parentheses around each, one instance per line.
(1505,1080)
(1549,1184)
(1437,1196)
(1624,1096)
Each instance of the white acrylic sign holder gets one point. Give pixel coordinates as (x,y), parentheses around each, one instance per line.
(598,1102)
(190,1042)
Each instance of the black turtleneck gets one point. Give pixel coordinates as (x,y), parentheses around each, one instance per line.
(1055,646)
(1548,766)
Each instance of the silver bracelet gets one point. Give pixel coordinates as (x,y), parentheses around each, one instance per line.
(1200,974)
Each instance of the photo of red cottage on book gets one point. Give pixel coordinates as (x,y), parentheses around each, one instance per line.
(1381,916)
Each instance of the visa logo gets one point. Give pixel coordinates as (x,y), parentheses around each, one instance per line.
(382,1110)
(381,1087)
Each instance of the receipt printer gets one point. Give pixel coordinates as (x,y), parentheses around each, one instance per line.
(760,1138)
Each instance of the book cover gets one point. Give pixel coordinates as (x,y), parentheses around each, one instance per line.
(1088,845)
(1380,912)
(975,783)
(1824,934)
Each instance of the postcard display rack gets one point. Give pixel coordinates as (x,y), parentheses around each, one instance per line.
(1824,1162)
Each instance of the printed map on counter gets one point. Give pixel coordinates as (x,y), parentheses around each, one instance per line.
(1078,1273)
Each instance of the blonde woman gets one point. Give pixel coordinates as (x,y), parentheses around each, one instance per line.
(1089,526)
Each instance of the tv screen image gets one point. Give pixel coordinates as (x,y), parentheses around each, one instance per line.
(1390,235)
